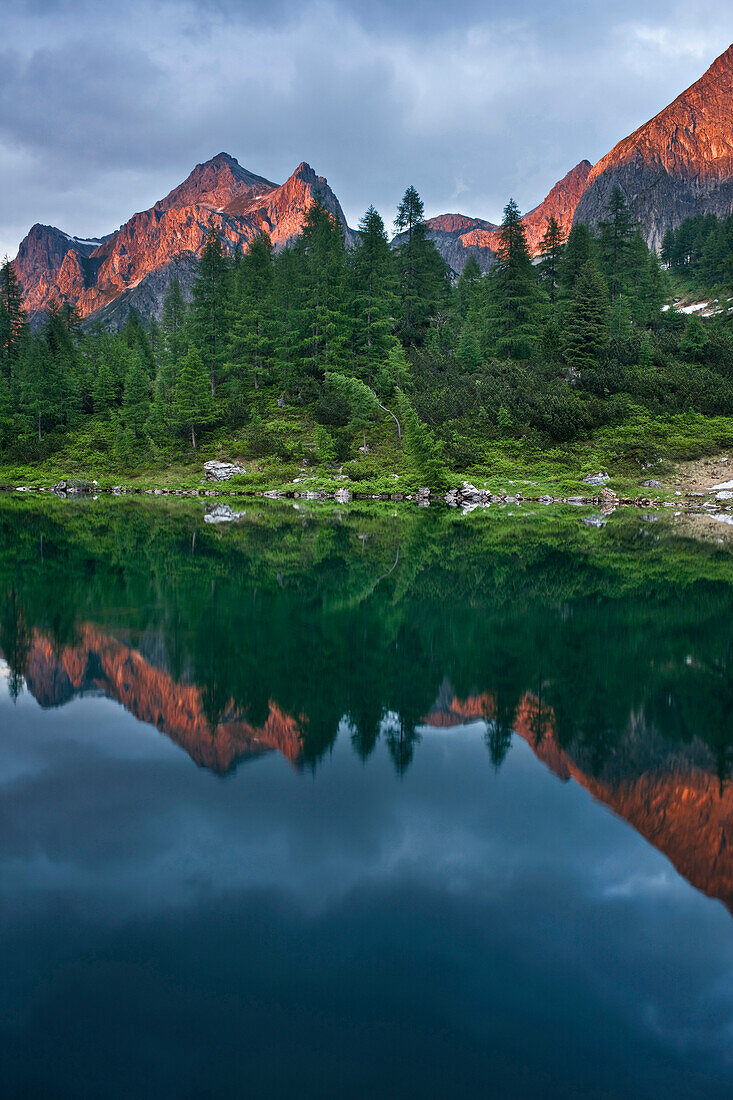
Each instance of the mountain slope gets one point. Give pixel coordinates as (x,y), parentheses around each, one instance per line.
(457,237)
(134,266)
(678,164)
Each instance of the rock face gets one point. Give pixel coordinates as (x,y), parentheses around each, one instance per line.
(134,266)
(457,236)
(678,164)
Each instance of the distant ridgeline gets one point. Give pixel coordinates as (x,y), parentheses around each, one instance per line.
(701,249)
(301,356)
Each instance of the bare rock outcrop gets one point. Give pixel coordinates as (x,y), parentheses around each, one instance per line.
(678,164)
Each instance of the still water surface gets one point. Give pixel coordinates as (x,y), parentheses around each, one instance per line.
(352,804)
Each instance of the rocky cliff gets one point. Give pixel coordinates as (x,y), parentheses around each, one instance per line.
(134,265)
(678,164)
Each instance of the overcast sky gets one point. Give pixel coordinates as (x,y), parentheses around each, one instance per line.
(105,107)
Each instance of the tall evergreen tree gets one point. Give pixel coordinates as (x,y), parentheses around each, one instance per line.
(587,320)
(579,248)
(38,384)
(13,318)
(372,294)
(322,303)
(193,405)
(424,284)
(514,296)
(410,212)
(253,325)
(551,248)
(617,231)
(209,309)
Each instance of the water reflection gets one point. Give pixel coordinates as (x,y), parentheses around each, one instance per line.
(444,905)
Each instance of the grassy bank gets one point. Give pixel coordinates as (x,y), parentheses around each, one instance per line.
(283,456)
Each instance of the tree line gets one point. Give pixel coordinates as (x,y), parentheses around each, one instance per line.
(701,250)
(544,349)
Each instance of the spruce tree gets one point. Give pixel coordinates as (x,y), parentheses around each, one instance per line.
(323,319)
(423,278)
(135,404)
(586,335)
(579,248)
(423,453)
(514,293)
(551,248)
(193,404)
(13,318)
(469,282)
(38,384)
(173,329)
(253,325)
(209,309)
(105,390)
(410,212)
(372,286)
(617,231)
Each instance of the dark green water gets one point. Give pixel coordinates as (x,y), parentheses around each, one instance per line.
(326,803)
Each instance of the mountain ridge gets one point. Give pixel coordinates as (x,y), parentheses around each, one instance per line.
(678,163)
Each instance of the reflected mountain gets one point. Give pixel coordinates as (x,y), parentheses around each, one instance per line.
(609,652)
(671,795)
(100,664)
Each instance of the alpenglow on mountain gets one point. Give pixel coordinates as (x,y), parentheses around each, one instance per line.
(678,164)
(134,266)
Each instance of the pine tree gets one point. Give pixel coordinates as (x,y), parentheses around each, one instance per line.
(253,326)
(551,248)
(587,320)
(514,296)
(372,284)
(38,385)
(323,320)
(468,349)
(579,248)
(105,389)
(173,329)
(135,404)
(6,413)
(423,453)
(61,335)
(13,318)
(467,287)
(410,212)
(617,231)
(423,279)
(209,309)
(361,400)
(193,405)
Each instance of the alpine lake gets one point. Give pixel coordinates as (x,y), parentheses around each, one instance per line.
(364,801)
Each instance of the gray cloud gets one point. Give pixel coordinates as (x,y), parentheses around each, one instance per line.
(104,108)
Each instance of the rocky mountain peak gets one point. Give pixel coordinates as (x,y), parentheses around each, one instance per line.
(216,183)
(678,164)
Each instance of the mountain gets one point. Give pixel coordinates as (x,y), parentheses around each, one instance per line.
(457,236)
(678,164)
(133,267)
